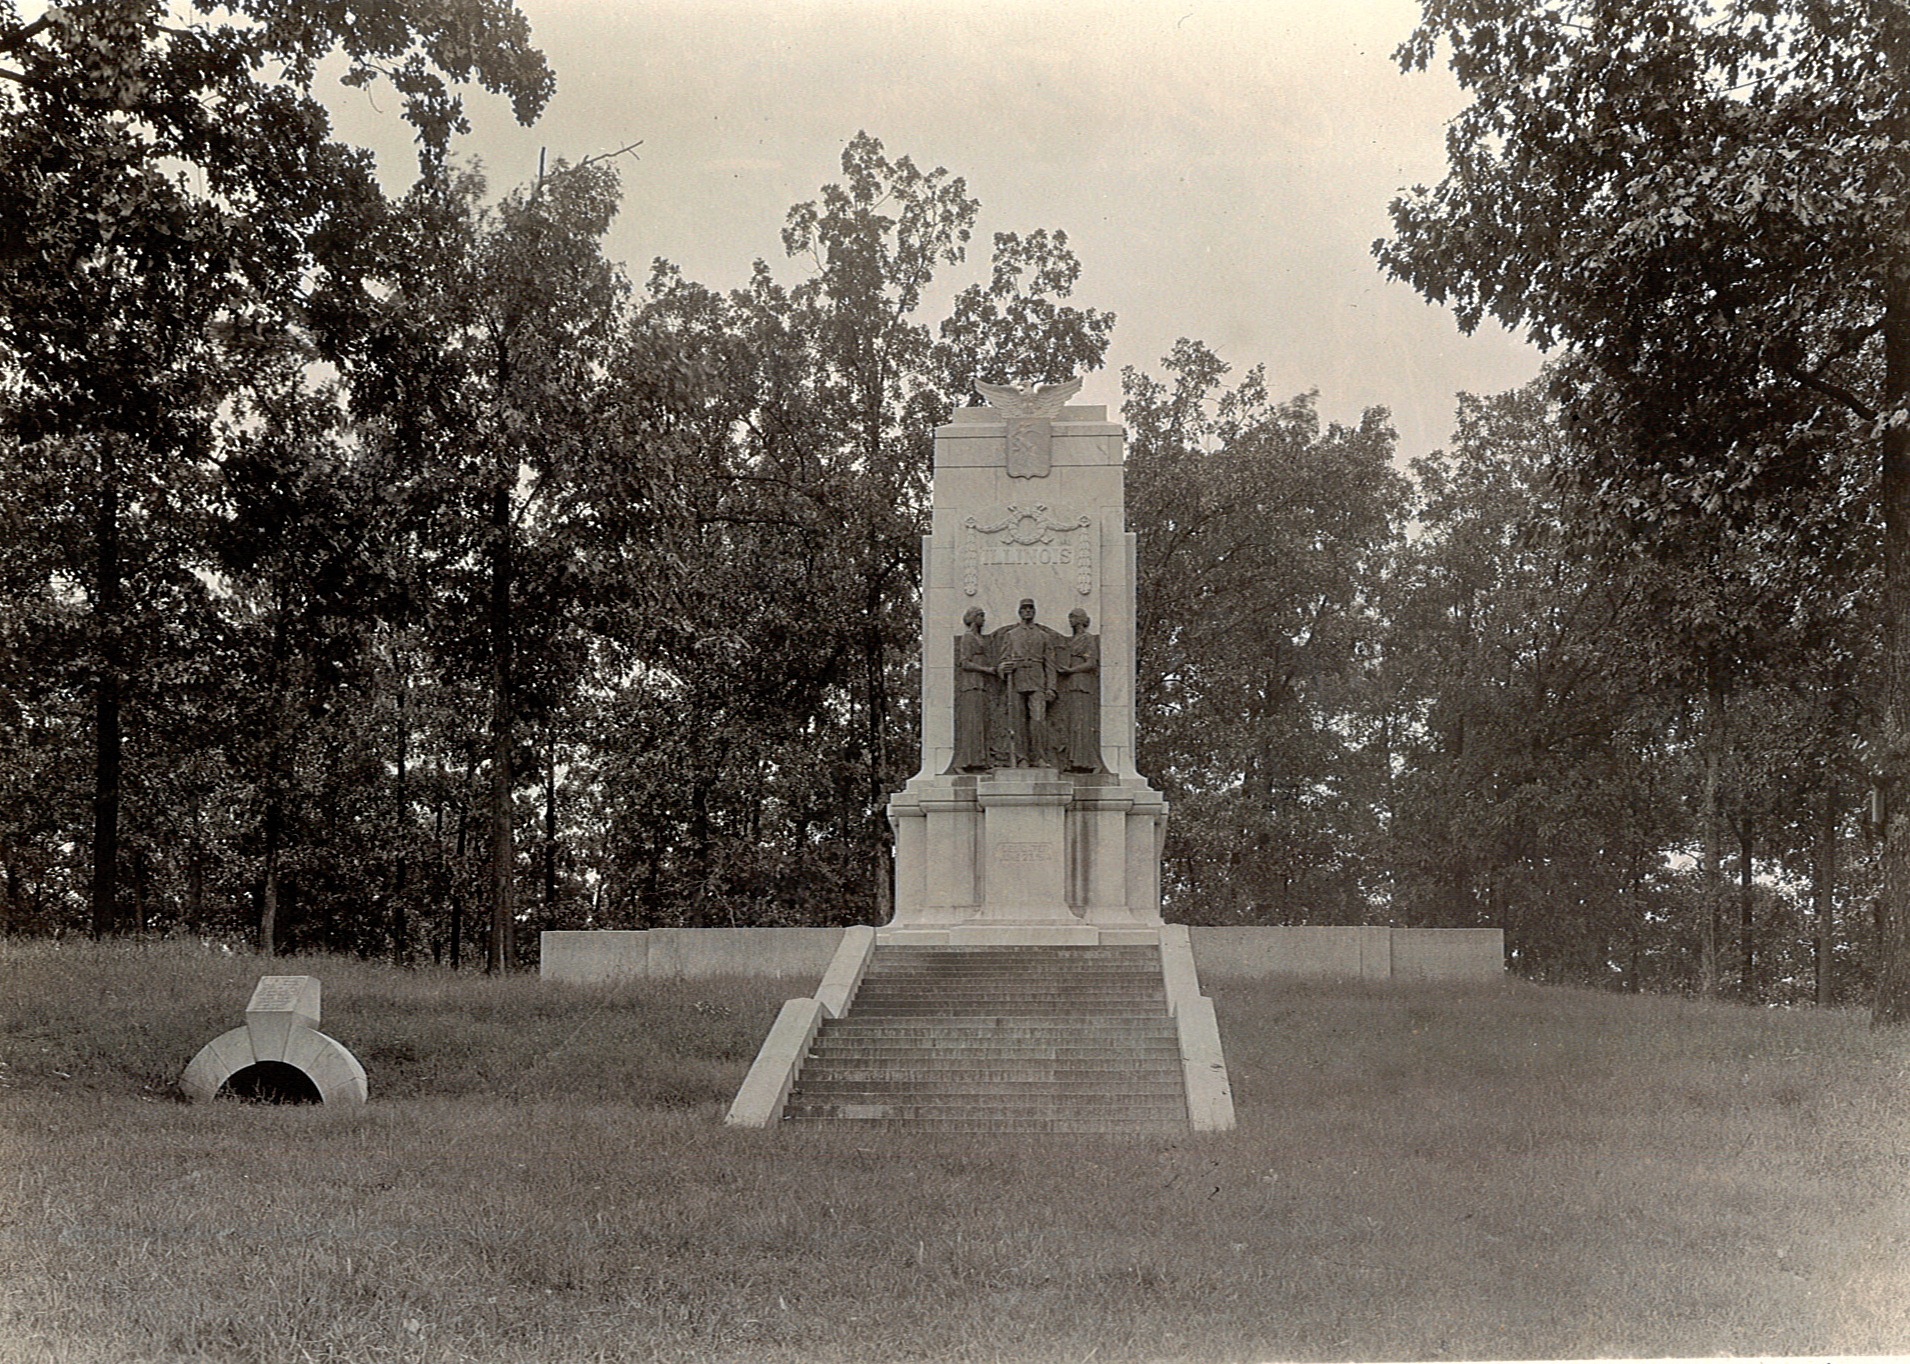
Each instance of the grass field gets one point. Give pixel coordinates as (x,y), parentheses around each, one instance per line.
(543,1175)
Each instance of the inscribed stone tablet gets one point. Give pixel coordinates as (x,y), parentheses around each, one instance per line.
(286,995)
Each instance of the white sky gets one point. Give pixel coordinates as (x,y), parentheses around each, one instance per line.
(1221,168)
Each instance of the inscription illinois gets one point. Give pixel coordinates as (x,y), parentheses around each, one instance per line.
(1018,537)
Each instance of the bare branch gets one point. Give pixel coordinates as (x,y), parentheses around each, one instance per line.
(1836,392)
(20,37)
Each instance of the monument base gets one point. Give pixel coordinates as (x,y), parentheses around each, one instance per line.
(1073,855)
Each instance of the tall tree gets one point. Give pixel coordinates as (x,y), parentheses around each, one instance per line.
(168,189)
(1264,536)
(1703,203)
(487,361)
(1533,726)
(795,647)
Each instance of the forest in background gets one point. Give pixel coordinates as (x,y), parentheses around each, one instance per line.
(396,576)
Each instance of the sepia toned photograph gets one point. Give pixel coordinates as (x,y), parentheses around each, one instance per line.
(992,681)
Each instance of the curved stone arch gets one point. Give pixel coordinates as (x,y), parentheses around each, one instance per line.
(326,1062)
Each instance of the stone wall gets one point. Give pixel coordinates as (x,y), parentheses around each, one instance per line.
(686,953)
(1401,955)
(1302,953)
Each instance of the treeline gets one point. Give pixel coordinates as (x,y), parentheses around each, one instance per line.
(396,576)
(1461,699)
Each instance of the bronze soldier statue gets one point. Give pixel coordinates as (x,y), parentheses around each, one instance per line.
(1025,654)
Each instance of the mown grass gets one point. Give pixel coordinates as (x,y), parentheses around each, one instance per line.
(1494,1172)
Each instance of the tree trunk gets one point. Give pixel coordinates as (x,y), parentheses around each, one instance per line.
(1711,872)
(1823,891)
(106,755)
(269,893)
(550,828)
(1747,950)
(878,698)
(457,869)
(400,930)
(503,841)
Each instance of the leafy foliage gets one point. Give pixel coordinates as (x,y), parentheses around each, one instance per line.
(1702,205)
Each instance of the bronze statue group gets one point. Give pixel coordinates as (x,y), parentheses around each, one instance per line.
(1027,696)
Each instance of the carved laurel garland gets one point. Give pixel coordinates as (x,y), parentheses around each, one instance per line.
(1033,525)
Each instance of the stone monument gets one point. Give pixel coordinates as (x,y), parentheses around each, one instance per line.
(279,1050)
(1028,822)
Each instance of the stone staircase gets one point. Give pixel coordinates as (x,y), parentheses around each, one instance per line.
(1000,1039)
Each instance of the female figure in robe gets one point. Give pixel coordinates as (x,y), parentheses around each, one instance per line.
(1078,727)
(974,694)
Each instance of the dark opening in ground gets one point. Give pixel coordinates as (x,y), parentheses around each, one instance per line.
(272,1082)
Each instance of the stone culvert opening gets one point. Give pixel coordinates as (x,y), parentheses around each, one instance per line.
(271,1082)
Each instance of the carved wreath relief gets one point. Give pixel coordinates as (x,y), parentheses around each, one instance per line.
(1024,537)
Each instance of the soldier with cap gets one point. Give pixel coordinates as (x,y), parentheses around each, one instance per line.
(1026,666)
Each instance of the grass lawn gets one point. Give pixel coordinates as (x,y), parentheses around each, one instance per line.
(542,1174)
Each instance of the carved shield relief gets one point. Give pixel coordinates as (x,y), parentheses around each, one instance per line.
(1030,447)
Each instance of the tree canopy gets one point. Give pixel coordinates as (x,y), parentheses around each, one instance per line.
(1701,206)
(393,574)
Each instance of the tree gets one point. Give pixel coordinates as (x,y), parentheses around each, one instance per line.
(774,716)
(1536,738)
(486,365)
(173,198)
(1264,535)
(1703,204)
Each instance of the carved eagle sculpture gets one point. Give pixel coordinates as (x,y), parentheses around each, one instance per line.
(1041,404)
(1030,413)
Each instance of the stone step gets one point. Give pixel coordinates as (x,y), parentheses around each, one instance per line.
(1057,952)
(990,1022)
(997,986)
(1057,1126)
(1087,1001)
(890,1109)
(942,1008)
(878,1030)
(1112,984)
(1001,1026)
(984,1068)
(941,1062)
(927,1084)
(1116,975)
(1017,1038)
(1003,971)
(1031,1043)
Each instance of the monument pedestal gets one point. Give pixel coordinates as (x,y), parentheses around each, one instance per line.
(1026,855)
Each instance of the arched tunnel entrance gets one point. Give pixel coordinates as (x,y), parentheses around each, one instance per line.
(272,1082)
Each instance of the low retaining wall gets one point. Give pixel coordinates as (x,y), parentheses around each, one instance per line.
(592,957)
(1304,952)
(1403,955)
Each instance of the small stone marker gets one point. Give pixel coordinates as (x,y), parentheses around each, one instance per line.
(281,1028)
(278,1005)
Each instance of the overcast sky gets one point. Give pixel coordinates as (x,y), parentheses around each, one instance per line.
(1221,169)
